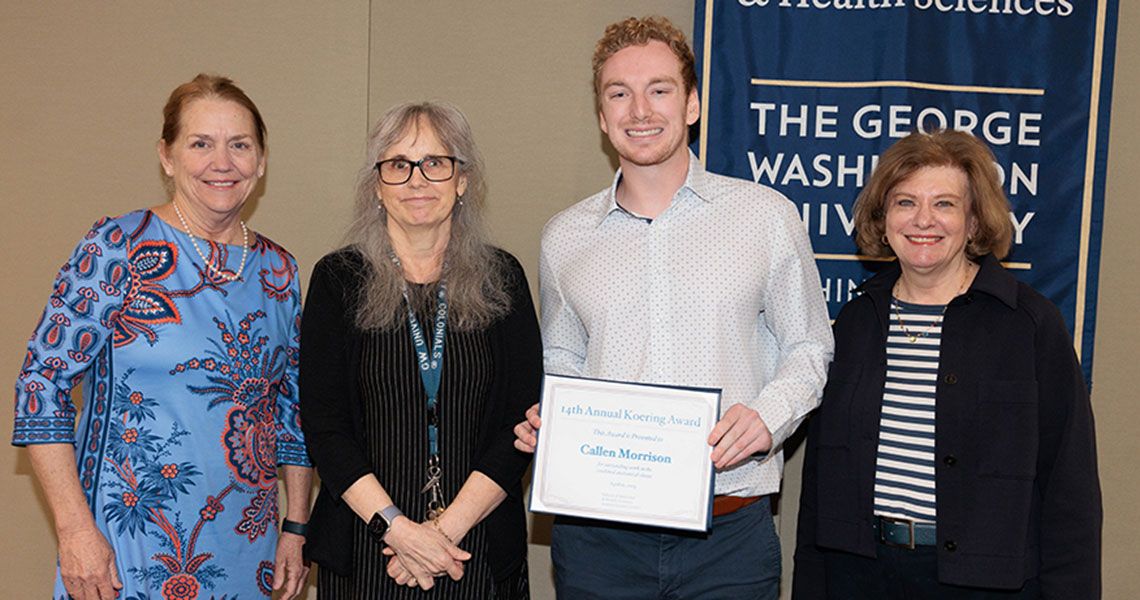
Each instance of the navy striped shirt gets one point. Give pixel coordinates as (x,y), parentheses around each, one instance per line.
(904,463)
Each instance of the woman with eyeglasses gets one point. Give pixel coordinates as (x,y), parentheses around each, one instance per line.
(420,348)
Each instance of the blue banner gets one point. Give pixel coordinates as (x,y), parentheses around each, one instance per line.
(802,96)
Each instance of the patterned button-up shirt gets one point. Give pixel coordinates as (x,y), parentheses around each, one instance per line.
(720,290)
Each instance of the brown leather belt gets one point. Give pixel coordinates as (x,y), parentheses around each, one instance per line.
(726,505)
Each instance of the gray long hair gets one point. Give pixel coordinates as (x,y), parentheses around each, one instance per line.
(472,268)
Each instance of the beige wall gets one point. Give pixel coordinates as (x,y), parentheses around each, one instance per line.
(1118,325)
(80,112)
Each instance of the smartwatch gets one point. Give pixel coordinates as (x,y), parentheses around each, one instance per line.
(381,521)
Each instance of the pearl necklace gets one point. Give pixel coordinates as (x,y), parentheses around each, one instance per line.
(911,336)
(209,265)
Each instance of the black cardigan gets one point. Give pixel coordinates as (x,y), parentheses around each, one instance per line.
(1017,487)
(331,413)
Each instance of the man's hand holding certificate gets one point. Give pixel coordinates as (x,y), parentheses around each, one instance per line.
(625,452)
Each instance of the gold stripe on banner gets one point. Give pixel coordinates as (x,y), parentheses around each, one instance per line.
(1015,266)
(1090,164)
(859,257)
(918,85)
(706,70)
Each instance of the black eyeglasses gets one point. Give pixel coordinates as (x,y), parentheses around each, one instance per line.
(397,171)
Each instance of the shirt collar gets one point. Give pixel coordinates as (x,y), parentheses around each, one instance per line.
(697,183)
(991,279)
(994,280)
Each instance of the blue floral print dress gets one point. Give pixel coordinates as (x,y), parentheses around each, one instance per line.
(189,402)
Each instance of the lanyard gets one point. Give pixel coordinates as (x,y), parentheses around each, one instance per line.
(430,361)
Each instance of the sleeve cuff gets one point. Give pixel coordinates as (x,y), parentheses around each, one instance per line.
(777,416)
(43,430)
(292,453)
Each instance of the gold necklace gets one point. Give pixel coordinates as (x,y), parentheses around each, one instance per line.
(913,337)
(231,277)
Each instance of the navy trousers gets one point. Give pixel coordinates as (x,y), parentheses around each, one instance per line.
(738,558)
(901,574)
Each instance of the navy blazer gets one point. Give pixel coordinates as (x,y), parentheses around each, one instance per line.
(1018,494)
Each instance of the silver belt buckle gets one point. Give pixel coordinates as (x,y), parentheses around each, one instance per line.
(885,538)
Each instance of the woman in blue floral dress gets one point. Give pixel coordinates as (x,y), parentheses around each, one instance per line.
(183,326)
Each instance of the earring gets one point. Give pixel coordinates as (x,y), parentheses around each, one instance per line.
(884,240)
(459,199)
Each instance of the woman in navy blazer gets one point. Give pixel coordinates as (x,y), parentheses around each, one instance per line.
(953,455)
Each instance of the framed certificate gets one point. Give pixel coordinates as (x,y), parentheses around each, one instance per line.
(627,452)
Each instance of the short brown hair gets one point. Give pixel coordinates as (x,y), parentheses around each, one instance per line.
(206,86)
(941,148)
(639,32)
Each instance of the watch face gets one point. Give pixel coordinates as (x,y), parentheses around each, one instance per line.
(377,526)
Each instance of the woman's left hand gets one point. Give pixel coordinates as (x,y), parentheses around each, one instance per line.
(290,571)
(399,571)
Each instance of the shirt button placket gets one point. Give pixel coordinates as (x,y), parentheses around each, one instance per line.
(658,273)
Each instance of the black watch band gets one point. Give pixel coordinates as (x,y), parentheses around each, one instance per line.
(301,529)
